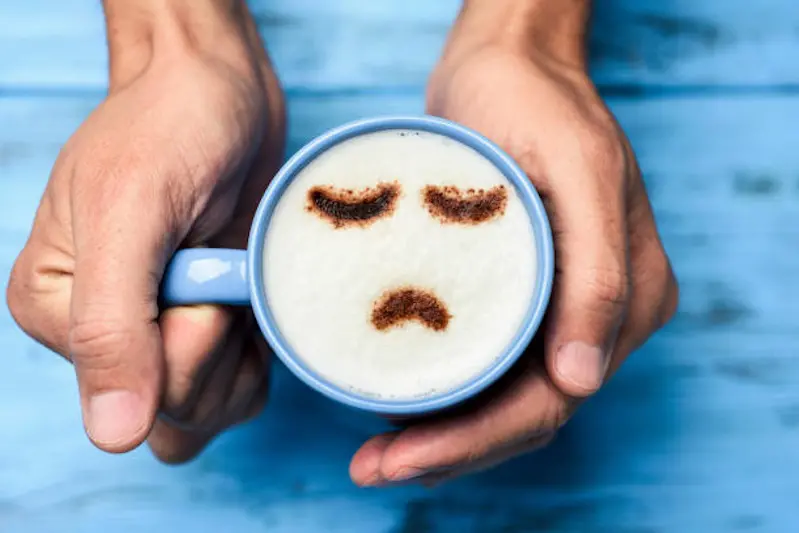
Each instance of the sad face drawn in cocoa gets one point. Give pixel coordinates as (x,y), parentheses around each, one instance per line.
(400,264)
(348,208)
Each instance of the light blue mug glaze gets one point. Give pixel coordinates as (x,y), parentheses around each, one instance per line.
(235,277)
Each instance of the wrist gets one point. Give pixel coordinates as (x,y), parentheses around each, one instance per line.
(557,29)
(146,31)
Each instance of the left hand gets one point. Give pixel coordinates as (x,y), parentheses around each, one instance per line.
(178,154)
(614,285)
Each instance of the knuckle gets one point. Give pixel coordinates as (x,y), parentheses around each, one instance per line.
(555,420)
(98,343)
(178,412)
(600,147)
(529,157)
(24,292)
(551,411)
(608,286)
(37,297)
(472,454)
(557,413)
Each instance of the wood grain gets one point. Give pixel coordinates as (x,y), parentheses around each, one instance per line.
(637,47)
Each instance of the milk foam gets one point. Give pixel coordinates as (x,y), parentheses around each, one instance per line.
(322,282)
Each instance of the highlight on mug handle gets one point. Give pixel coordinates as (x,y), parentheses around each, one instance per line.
(206,276)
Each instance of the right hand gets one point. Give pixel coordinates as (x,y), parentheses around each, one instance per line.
(614,286)
(177,155)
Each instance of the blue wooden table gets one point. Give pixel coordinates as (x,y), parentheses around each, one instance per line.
(698,433)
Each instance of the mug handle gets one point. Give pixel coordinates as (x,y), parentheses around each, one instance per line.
(206,276)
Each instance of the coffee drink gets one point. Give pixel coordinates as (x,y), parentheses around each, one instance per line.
(399,264)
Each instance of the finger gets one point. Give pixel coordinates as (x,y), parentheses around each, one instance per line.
(210,408)
(434,479)
(590,295)
(531,408)
(654,292)
(38,298)
(254,376)
(227,397)
(195,340)
(40,285)
(248,393)
(220,406)
(365,465)
(176,445)
(365,471)
(114,338)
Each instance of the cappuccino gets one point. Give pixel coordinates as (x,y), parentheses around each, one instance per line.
(399,264)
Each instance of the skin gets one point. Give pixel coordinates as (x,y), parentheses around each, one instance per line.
(503,74)
(192,131)
(178,154)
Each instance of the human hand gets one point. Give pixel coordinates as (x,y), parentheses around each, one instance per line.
(614,286)
(177,155)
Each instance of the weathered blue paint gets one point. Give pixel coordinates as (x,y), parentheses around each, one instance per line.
(317,44)
(699,432)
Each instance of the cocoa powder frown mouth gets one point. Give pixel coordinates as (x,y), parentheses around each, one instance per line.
(401,305)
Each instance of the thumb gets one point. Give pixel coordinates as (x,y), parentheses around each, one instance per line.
(590,296)
(114,339)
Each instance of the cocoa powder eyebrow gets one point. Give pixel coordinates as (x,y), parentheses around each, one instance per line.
(452,205)
(349,207)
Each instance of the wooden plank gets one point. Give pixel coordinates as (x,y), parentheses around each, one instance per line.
(351,43)
(698,432)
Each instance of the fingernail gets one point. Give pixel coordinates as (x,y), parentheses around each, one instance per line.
(114,417)
(582,365)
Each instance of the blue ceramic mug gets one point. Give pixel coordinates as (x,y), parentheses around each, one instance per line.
(235,277)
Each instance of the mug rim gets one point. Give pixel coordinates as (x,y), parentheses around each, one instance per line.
(500,365)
